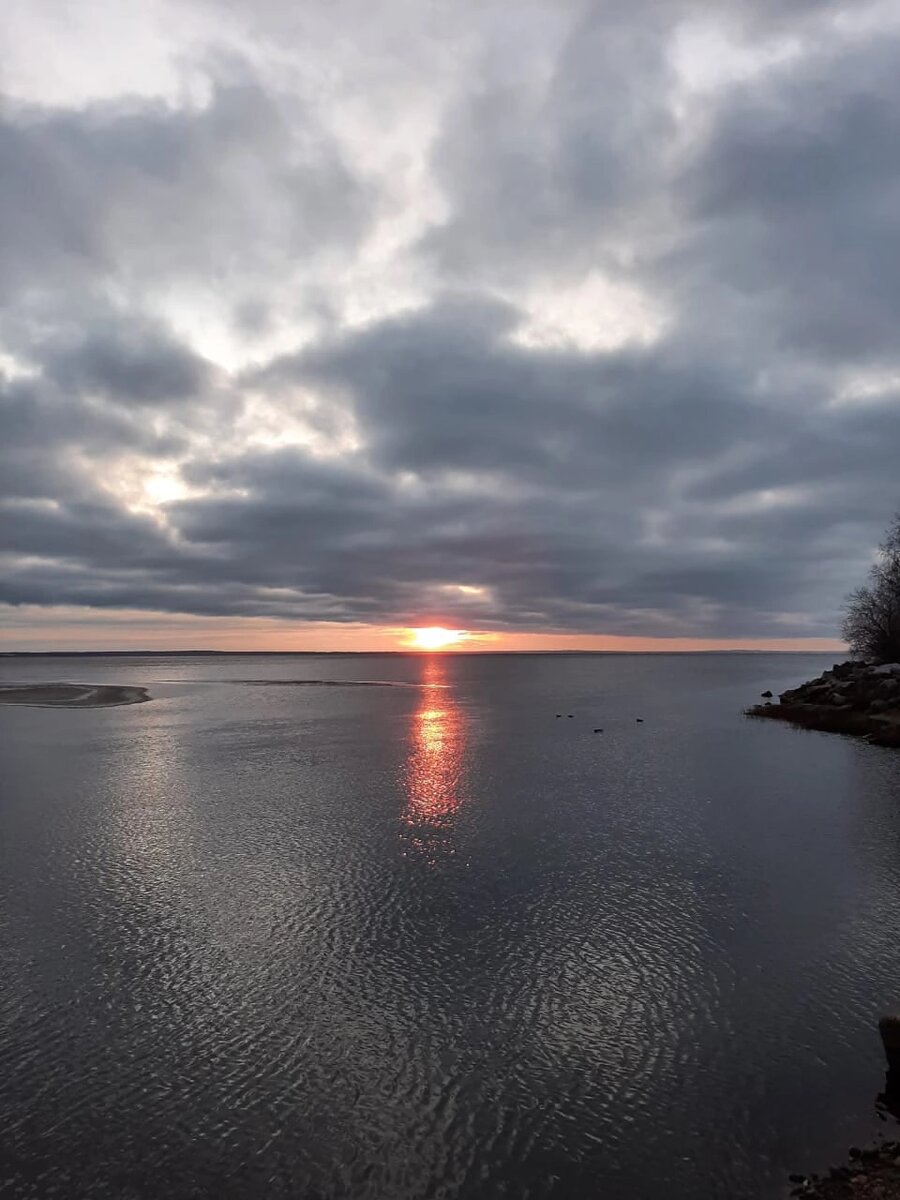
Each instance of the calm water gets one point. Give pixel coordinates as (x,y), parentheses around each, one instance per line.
(432,941)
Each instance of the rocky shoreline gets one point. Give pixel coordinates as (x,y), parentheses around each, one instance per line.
(869,1174)
(859,698)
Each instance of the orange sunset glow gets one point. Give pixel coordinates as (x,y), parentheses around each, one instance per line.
(436,637)
(67,628)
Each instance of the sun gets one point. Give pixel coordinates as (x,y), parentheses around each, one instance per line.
(435,637)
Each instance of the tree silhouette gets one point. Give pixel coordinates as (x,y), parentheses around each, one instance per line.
(872,613)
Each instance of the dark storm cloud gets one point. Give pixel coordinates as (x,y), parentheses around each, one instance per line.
(137,364)
(550,173)
(86,532)
(562,456)
(447,389)
(46,429)
(126,190)
(725,475)
(794,199)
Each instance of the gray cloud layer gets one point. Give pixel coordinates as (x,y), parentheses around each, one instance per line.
(587,325)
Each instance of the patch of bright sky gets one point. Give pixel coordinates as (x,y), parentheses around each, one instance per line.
(14,368)
(62,53)
(767,499)
(460,595)
(146,487)
(165,485)
(707,55)
(293,421)
(873,388)
(596,313)
(205,317)
(468,589)
(382,282)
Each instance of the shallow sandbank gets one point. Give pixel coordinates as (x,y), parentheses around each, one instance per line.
(71,695)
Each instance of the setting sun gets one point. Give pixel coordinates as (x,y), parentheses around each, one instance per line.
(435,637)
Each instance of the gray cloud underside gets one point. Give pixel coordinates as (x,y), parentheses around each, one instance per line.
(727,476)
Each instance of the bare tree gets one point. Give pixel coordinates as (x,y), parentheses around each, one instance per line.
(872,613)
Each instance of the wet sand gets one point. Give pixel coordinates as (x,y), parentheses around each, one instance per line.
(71,695)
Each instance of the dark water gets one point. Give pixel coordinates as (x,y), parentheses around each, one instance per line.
(431,940)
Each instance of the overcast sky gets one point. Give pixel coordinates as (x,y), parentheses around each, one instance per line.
(523,317)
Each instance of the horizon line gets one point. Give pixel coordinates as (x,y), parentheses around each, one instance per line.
(455,652)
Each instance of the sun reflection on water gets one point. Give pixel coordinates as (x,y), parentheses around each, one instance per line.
(432,775)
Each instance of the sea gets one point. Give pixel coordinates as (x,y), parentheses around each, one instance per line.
(438,926)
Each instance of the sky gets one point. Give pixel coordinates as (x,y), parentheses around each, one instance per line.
(567,324)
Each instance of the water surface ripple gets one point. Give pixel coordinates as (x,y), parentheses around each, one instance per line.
(433,941)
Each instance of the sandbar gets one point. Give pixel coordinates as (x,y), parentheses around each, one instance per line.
(71,695)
